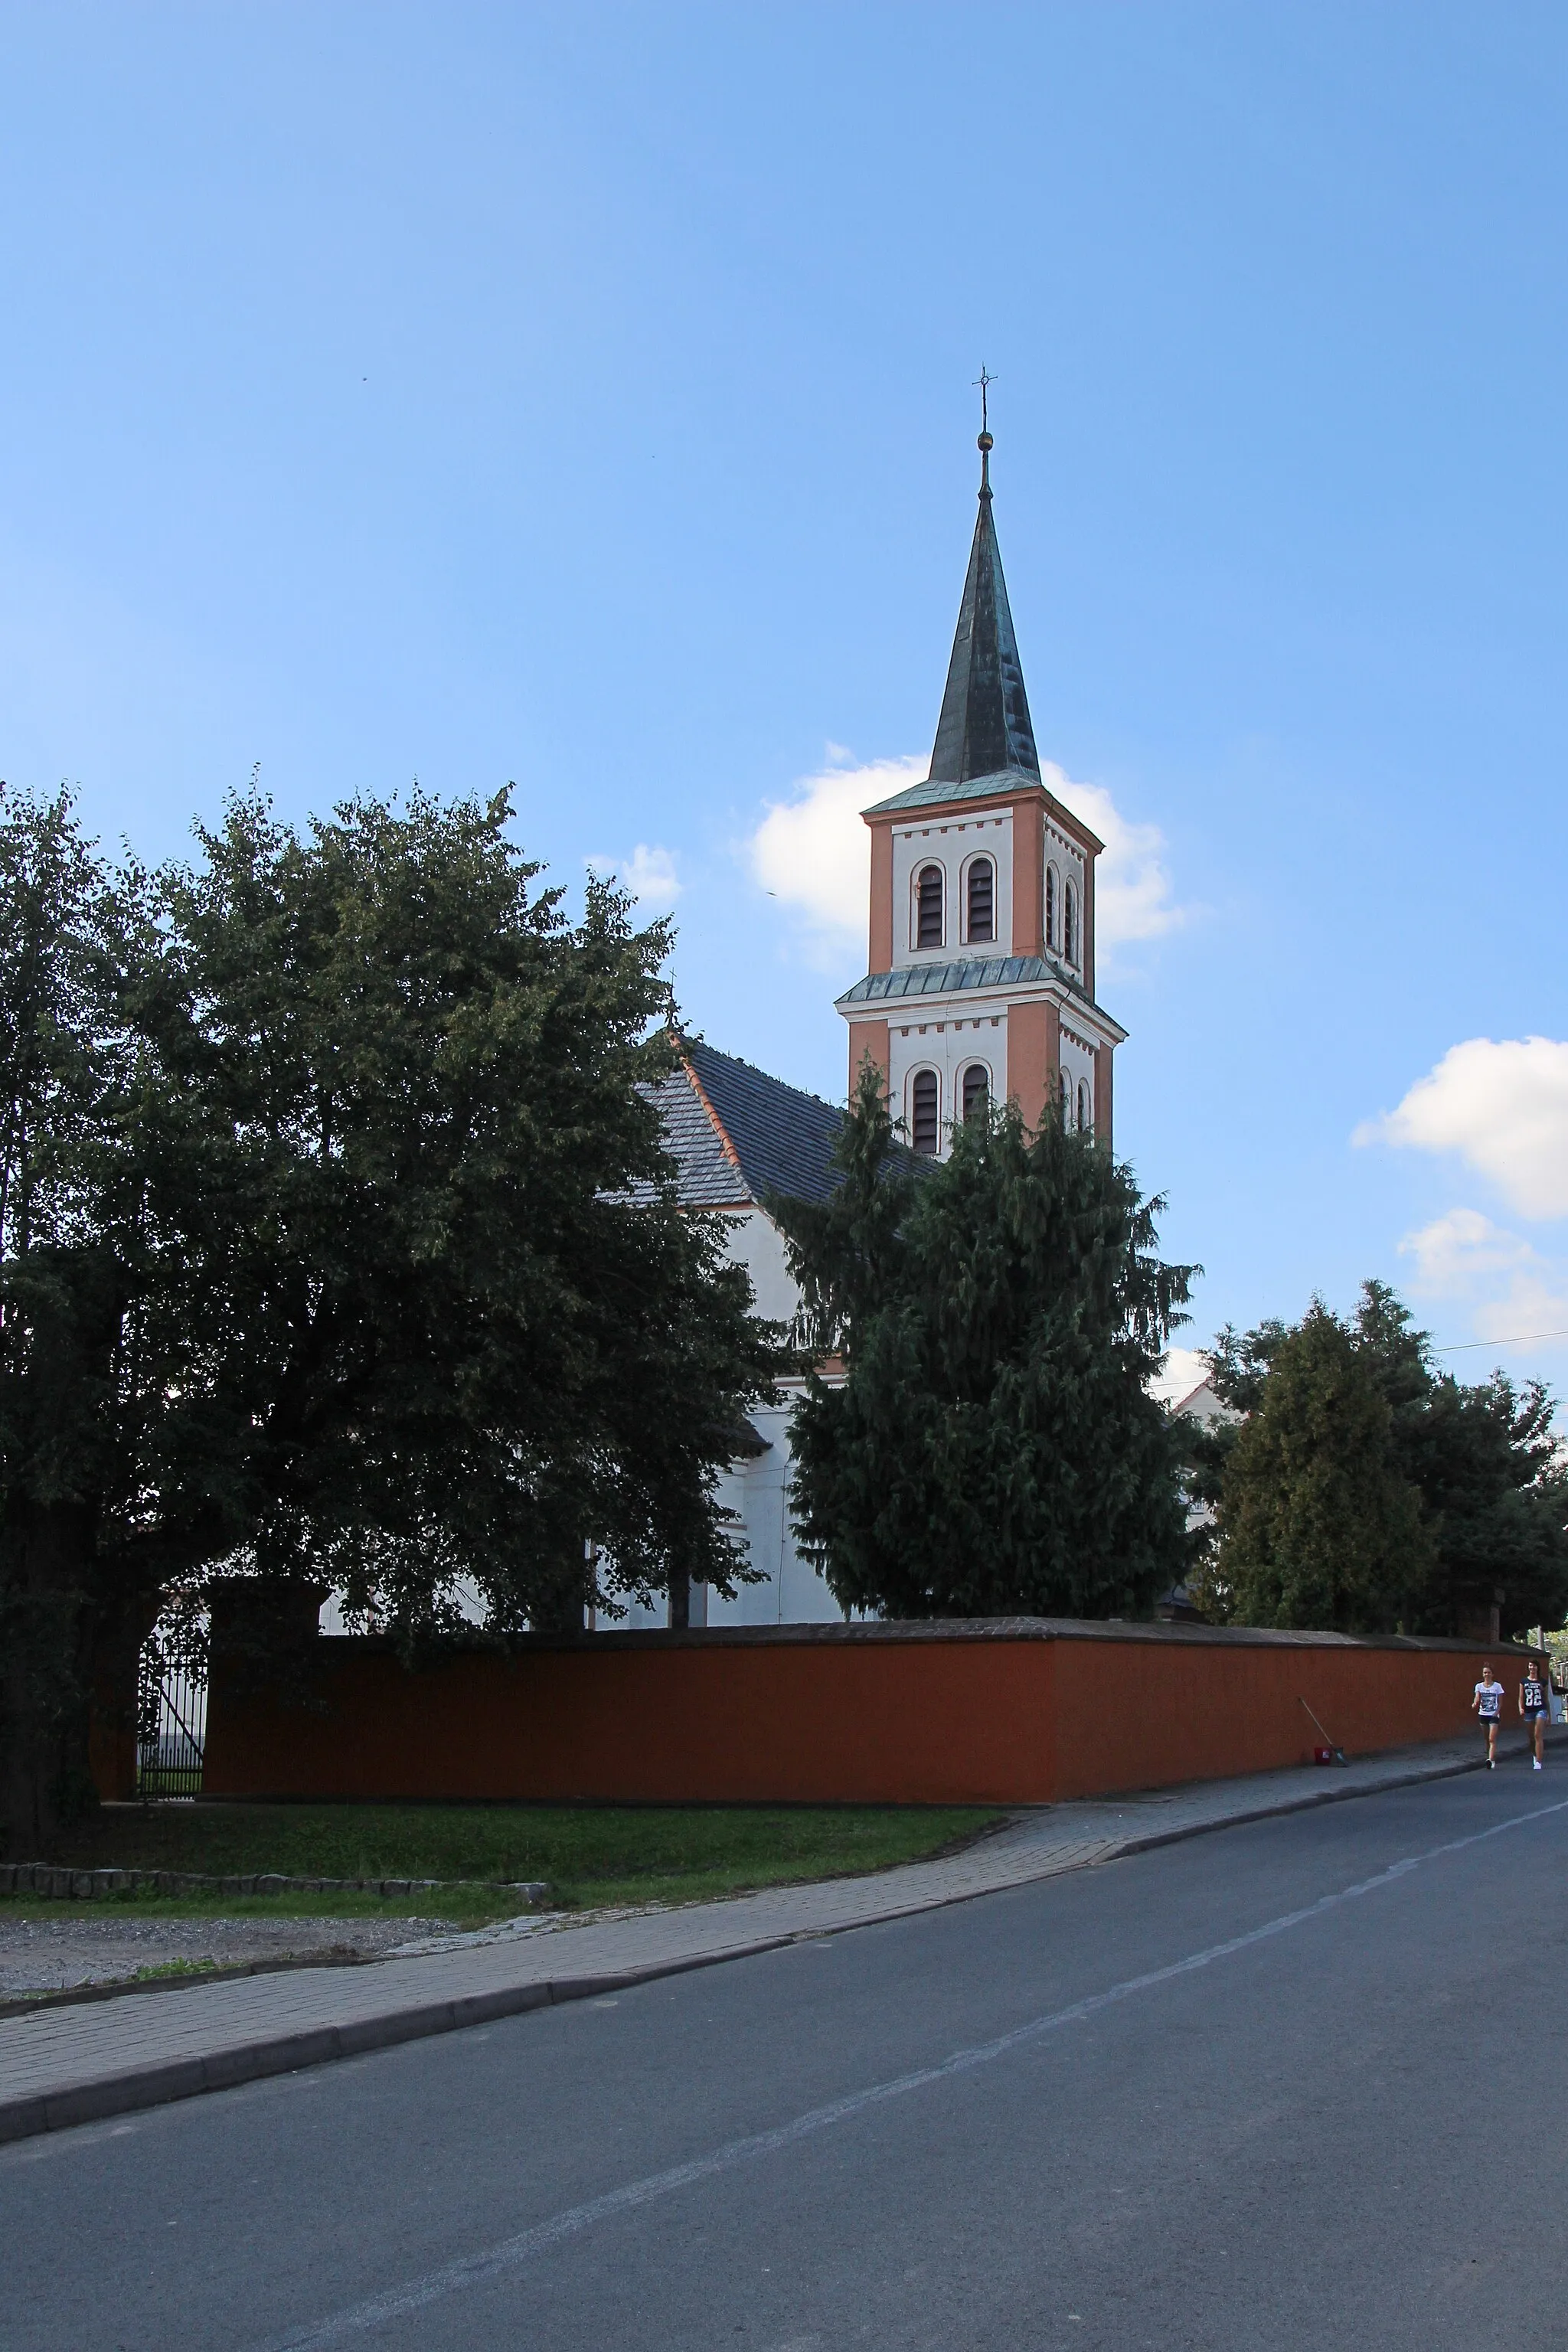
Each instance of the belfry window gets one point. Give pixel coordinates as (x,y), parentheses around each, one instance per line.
(1070,923)
(928,907)
(1050,906)
(976,1090)
(1084,1120)
(924,1125)
(981,909)
(1067,1100)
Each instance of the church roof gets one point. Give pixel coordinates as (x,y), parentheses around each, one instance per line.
(735,1134)
(971,971)
(985,741)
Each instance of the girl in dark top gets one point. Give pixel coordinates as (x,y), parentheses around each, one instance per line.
(1534,1706)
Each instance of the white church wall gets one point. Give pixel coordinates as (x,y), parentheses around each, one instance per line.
(1077,1066)
(948,1047)
(756,1243)
(951,847)
(757,1488)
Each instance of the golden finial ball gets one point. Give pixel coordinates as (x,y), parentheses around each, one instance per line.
(984,442)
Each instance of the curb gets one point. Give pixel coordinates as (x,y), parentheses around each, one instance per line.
(185,2078)
(285,2054)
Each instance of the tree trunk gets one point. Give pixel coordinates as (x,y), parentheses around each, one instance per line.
(680,1600)
(46,1619)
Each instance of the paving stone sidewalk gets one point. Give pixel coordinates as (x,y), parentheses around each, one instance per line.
(73,2064)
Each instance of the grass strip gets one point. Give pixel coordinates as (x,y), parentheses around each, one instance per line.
(590,1856)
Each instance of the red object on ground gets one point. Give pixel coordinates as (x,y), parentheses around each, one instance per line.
(1322,1755)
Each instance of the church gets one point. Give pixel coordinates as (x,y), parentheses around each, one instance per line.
(979,987)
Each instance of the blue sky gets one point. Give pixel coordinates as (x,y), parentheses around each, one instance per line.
(583,397)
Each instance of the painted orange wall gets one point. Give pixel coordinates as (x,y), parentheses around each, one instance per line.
(1034,1046)
(879,941)
(1103,1106)
(1088,877)
(868,1037)
(866,1715)
(1028,875)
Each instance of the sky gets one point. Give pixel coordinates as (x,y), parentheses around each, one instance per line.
(583,398)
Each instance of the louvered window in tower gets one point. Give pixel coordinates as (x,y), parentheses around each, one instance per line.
(1067,1100)
(928,907)
(982,899)
(976,1090)
(1050,906)
(1084,1119)
(1070,924)
(923,1113)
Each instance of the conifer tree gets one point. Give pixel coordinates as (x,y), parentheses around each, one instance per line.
(1471,1501)
(1318,1527)
(992,1448)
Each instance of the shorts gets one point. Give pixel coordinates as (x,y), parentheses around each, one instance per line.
(1536,1715)
(1490,1722)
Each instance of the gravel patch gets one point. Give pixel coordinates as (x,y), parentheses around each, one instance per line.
(51,1955)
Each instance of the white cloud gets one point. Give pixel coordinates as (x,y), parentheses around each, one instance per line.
(1512,1292)
(1131,889)
(813,852)
(1503,1107)
(649,873)
(1455,1251)
(1182,1370)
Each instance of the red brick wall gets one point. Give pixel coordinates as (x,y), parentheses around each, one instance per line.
(836,1715)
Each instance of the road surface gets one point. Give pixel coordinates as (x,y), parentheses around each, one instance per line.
(1271,2087)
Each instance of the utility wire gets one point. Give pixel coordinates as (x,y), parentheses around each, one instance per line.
(1522,1339)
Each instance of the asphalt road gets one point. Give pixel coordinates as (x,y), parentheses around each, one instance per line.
(1294,2085)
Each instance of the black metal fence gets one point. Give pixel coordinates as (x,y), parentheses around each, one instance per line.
(171,1726)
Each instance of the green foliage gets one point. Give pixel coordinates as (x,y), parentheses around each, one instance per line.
(1322,1522)
(1318,1527)
(992,1448)
(337,1239)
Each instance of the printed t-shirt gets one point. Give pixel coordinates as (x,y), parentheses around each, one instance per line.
(1490,1696)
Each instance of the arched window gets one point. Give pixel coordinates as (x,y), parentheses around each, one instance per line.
(981,909)
(1084,1120)
(923,1126)
(1067,1100)
(1052,893)
(976,1090)
(928,907)
(1070,923)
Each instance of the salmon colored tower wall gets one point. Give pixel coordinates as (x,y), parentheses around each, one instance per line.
(840,1715)
(1034,1048)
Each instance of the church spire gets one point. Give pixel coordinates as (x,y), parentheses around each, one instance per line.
(984,723)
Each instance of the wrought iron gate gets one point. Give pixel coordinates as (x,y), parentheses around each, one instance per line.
(171,1726)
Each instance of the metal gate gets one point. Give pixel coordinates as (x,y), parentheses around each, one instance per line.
(171,1726)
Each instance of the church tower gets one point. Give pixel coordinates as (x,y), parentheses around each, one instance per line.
(981,983)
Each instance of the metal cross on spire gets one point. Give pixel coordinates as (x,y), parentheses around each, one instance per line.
(985,380)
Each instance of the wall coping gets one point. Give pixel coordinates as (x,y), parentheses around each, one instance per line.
(912,1630)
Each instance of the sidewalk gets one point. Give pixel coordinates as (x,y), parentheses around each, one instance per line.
(73,2064)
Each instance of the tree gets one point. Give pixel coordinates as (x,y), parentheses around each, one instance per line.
(1317,1525)
(351,1200)
(1480,1462)
(992,1448)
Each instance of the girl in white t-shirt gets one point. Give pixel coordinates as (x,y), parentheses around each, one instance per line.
(1488,1704)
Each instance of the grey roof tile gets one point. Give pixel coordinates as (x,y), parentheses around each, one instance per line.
(769,1137)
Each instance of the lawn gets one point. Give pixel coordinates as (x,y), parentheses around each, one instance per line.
(590,1855)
